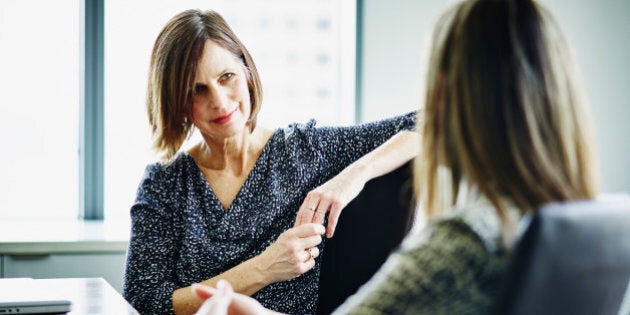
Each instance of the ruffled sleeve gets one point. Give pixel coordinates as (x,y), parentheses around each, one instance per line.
(337,147)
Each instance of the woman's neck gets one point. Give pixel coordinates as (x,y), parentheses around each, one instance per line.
(234,153)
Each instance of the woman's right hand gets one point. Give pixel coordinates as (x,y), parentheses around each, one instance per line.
(292,254)
(223,300)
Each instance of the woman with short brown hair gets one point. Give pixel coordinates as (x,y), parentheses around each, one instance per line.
(246,203)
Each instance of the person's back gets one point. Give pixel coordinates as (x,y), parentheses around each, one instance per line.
(453,266)
(500,139)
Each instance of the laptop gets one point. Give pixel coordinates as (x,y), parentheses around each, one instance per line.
(28,296)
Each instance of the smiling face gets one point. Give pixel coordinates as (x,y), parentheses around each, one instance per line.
(221,103)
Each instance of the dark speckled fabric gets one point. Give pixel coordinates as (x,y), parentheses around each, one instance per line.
(182,235)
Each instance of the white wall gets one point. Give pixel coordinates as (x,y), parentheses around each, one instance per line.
(395,39)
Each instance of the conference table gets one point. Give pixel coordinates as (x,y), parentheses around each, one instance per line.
(93,296)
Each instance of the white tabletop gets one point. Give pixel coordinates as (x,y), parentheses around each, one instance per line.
(93,296)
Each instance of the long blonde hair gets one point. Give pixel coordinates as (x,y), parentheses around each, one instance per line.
(503,111)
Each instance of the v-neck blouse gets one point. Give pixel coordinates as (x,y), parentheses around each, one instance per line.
(181,234)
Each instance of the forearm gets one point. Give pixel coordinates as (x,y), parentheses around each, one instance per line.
(332,196)
(395,152)
(286,258)
(246,278)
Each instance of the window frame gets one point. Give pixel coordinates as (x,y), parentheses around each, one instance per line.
(92,120)
(92,100)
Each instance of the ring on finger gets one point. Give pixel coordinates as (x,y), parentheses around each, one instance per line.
(310,255)
(310,252)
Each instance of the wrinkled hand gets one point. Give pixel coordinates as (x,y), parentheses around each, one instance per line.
(292,254)
(332,196)
(223,300)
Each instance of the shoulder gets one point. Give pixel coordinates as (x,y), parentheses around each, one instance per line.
(296,131)
(443,245)
(455,262)
(481,217)
(452,237)
(468,242)
(163,173)
(158,169)
(442,268)
(298,137)
(409,118)
(396,123)
(161,185)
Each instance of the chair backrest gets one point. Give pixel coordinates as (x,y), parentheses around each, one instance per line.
(370,227)
(573,258)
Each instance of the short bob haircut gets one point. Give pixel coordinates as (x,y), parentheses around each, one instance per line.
(503,111)
(176,53)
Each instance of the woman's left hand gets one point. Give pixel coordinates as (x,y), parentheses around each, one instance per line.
(331,197)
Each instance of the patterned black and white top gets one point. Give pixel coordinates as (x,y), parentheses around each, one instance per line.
(182,235)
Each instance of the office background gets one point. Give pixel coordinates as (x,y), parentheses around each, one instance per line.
(312,41)
(396,34)
(391,52)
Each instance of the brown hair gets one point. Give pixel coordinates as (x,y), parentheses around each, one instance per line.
(503,111)
(174,61)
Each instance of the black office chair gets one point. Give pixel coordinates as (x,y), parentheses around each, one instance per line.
(370,227)
(574,258)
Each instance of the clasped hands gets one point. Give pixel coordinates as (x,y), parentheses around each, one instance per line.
(295,250)
(291,255)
